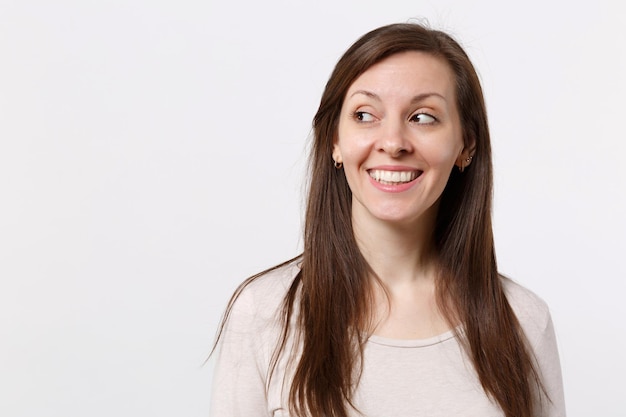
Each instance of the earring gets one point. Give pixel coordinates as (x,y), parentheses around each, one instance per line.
(468,160)
(338,165)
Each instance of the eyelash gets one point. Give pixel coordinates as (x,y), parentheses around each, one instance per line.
(359,115)
(421,114)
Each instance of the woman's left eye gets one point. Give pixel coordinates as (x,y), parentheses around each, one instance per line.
(363,116)
(423,118)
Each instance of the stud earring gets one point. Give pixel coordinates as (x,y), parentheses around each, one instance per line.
(338,165)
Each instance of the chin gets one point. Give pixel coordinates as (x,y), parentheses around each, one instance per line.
(397,218)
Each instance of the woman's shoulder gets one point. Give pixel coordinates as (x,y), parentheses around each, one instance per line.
(530,309)
(524,301)
(262,295)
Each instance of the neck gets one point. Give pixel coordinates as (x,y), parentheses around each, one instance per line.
(402,257)
(398,253)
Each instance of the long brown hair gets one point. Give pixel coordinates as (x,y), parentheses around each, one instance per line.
(332,293)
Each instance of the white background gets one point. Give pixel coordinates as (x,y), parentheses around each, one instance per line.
(152,156)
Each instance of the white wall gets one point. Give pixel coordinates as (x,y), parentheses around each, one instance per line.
(152,156)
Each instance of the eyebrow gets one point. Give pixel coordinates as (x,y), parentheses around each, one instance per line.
(415,99)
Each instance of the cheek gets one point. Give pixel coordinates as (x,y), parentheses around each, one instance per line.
(446,149)
(352,148)
(355,153)
(444,156)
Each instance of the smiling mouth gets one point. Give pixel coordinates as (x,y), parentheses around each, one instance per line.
(393,177)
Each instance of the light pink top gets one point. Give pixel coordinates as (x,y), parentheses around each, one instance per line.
(401,378)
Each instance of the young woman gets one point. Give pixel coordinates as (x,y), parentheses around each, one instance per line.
(395,308)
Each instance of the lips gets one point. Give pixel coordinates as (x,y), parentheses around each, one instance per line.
(393,177)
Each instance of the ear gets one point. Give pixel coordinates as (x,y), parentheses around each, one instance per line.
(337,154)
(466,155)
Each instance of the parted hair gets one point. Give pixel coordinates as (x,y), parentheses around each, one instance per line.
(332,293)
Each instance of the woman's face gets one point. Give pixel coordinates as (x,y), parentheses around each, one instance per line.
(399,137)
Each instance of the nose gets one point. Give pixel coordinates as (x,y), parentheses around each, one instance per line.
(394,140)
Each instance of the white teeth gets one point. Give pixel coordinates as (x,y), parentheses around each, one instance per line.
(393,177)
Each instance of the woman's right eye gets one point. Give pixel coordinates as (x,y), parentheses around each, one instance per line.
(363,116)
